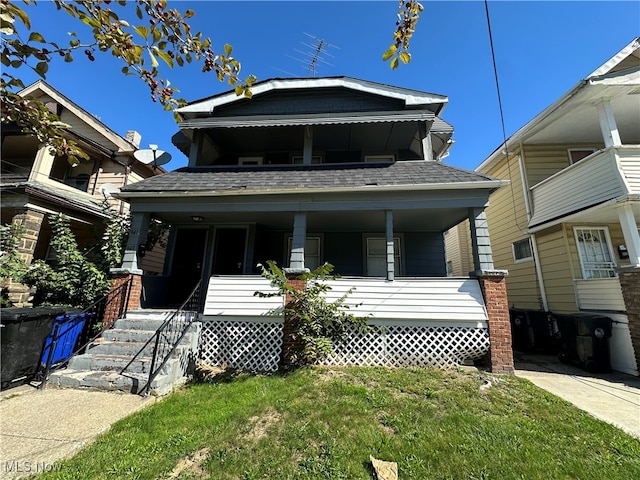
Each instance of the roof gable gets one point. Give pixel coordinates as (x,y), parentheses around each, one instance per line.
(406,98)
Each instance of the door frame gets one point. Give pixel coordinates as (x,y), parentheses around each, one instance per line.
(248,246)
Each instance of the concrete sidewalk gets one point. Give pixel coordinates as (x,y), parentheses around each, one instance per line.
(38,428)
(611,397)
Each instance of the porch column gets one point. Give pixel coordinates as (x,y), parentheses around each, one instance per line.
(42,164)
(390,252)
(481,246)
(136,243)
(307,149)
(630,233)
(630,286)
(494,291)
(296,261)
(610,132)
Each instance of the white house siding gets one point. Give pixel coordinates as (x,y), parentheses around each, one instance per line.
(586,183)
(630,165)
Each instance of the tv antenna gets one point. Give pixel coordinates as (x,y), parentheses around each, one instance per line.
(313,56)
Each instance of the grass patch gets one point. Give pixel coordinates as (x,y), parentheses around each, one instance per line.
(322,423)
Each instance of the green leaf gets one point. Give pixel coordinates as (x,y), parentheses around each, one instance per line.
(405,57)
(165,56)
(68,58)
(394,63)
(36,37)
(142,31)
(24,18)
(389,53)
(42,68)
(157,34)
(74,43)
(239,90)
(179,61)
(138,12)
(227,49)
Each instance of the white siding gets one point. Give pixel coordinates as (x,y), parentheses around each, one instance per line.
(630,166)
(234,296)
(442,301)
(584,184)
(446,301)
(600,294)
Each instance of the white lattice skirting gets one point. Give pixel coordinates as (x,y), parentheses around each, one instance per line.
(256,345)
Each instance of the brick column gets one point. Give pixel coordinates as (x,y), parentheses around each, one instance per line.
(31,222)
(630,284)
(494,290)
(120,298)
(291,343)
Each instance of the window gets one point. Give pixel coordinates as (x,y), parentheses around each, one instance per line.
(522,250)
(577,154)
(377,256)
(594,250)
(311,252)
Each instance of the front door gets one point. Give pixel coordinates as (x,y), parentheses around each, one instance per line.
(229,251)
(186,267)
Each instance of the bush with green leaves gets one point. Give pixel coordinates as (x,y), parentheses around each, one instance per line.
(318,324)
(12,265)
(71,279)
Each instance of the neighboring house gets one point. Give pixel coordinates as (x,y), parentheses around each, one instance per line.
(316,170)
(567,227)
(36,183)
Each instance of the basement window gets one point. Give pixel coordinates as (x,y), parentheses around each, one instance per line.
(522,251)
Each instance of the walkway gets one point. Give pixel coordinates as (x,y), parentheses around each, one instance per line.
(612,397)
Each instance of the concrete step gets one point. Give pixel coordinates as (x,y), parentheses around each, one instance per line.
(110,381)
(125,335)
(121,348)
(115,363)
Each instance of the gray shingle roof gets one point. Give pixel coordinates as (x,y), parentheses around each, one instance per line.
(285,177)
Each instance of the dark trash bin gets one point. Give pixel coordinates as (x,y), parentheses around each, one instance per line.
(63,338)
(24,331)
(533,331)
(585,340)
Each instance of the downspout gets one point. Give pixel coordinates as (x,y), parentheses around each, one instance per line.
(532,236)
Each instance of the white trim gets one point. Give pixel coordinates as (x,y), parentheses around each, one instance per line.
(607,238)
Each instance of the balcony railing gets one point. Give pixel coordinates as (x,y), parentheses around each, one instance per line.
(602,176)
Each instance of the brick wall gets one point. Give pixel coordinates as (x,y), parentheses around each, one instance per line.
(31,221)
(291,345)
(630,284)
(494,290)
(120,297)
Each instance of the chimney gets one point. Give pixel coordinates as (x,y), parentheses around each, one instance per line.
(134,138)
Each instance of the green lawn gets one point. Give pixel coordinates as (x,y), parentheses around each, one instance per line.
(321,423)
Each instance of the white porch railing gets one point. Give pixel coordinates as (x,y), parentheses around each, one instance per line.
(424,322)
(604,175)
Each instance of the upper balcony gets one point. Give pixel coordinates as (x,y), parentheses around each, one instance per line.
(604,175)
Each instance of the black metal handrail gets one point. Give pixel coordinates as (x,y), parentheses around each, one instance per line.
(110,307)
(168,336)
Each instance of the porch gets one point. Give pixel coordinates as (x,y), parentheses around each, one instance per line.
(421,322)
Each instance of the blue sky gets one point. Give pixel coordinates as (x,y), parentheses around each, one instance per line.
(542,48)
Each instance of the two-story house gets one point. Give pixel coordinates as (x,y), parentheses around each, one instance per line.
(36,183)
(566,228)
(314,170)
